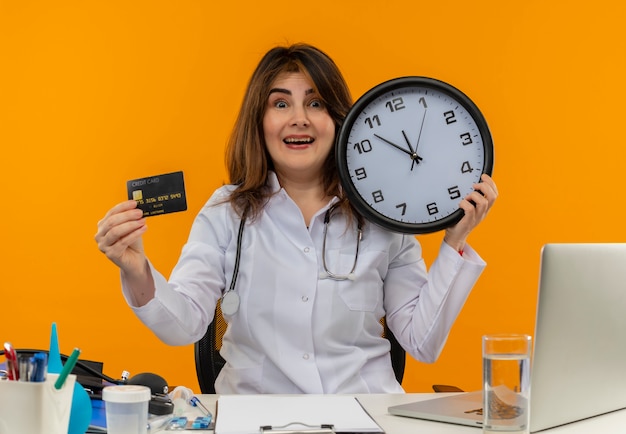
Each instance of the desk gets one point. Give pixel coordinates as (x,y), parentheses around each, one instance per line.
(377,404)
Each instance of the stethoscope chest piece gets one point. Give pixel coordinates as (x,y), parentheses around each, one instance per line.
(230,303)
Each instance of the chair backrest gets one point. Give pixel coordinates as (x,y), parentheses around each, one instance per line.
(209,363)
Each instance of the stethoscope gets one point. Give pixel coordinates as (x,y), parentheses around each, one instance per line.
(230,299)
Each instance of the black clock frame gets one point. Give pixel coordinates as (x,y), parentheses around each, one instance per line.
(359,203)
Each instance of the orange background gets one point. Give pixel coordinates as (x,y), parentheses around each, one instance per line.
(94,93)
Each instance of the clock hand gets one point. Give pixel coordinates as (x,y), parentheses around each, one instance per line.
(416,158)
(419,137)
(408,142)
(392,144)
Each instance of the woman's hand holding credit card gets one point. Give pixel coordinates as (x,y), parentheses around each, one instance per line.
(120,231)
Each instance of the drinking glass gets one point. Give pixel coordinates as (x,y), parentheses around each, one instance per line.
(506,383)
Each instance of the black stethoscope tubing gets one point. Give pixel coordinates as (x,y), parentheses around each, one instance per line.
(350,276)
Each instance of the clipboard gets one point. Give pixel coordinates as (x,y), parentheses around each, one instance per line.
(297,428)
(291,414)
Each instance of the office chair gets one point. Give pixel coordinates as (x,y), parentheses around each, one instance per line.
(209,363)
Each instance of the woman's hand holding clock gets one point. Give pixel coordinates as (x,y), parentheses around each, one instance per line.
(475,206)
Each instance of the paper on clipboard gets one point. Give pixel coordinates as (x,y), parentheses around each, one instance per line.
(246,414)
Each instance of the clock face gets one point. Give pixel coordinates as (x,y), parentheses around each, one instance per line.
(409,150)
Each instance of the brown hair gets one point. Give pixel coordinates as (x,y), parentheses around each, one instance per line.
(247,159)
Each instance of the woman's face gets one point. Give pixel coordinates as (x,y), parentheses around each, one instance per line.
(299,133)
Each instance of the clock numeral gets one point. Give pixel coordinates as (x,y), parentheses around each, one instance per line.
(377,196)
(373,120)
(403,206)
(363,146)
(454,192)
(466,167)
(360,173)
(395,104)
(466,139)
(422,101)
(449,117)
(432,208)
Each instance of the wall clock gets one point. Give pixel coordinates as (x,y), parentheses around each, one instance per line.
(409,150)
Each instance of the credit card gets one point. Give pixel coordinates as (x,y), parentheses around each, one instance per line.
(161,194)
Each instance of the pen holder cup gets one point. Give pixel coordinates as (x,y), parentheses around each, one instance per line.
(36,408)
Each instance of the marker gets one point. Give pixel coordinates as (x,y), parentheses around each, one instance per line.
(39,367)
(67,368)
(25,367)
(12,362)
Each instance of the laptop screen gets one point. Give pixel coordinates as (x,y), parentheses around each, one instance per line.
(579,362)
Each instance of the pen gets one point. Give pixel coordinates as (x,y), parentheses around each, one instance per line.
(67,368)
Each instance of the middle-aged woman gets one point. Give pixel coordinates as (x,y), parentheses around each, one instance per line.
(292,328)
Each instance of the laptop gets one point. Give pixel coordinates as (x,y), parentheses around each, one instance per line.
(579,356)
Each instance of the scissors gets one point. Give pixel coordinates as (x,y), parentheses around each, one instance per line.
(13,372)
